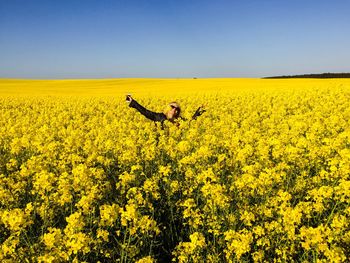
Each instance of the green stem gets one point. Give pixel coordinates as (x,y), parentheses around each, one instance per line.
(331,214)
(122,255)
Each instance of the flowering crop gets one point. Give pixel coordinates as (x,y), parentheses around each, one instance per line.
(262,176)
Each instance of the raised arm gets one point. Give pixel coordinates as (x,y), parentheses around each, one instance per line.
(198,112)
(154,116)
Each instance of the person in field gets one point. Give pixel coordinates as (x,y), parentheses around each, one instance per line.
(171,113)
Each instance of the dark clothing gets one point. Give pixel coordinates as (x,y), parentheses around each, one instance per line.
(155,116)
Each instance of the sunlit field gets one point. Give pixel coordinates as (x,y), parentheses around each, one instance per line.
(262,176)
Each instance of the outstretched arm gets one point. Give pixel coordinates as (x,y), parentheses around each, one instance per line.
(154,116)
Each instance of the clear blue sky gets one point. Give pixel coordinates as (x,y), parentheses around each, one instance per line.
(172,38)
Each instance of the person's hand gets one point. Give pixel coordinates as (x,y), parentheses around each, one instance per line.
(201,109)
(198,112)
(129,98)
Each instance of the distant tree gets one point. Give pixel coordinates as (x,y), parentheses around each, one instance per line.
(317,76)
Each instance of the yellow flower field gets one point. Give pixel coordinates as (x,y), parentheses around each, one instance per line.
(262,176)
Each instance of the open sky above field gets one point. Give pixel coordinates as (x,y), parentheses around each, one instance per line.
(172,39)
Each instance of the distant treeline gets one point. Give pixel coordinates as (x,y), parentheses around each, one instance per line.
(317,76)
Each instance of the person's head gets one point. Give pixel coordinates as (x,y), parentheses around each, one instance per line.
(172,111)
